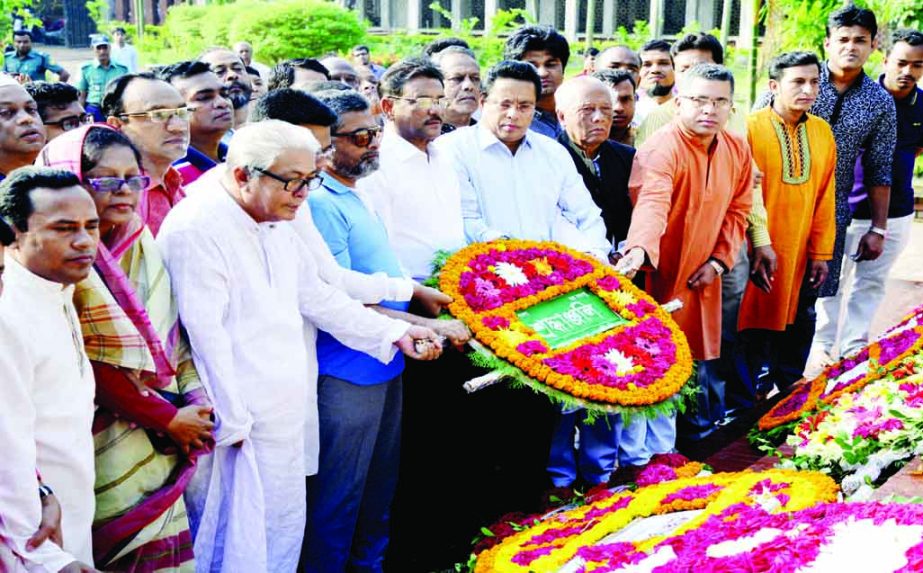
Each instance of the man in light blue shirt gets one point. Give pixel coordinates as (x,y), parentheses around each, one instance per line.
(359,399)
(515,182)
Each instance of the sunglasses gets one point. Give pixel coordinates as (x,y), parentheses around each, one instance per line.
(292,185)
(72,121)
(113,184)
(361,137)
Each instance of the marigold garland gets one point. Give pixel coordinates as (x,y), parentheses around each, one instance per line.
(553,542)
(883,356)
(490,282)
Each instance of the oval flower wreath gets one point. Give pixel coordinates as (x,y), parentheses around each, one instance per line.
(561,537)
(567,325)
(825,537)
(877,360)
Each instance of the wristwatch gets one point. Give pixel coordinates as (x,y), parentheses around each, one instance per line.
(719,268)
(44,491)
(878,231)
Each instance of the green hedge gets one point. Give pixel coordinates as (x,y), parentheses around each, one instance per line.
(278,30)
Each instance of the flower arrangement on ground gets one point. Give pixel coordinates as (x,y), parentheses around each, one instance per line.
(577,533)
(861,434)
(851,374)
(826,537)
(567,325)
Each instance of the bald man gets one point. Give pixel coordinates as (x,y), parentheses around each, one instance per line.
(620,58)
(342,71)
(245,51)
(22,134)
(584,110)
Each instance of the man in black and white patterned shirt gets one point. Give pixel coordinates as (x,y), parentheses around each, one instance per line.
(862,116)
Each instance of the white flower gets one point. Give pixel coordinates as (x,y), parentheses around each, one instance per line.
(510,273)
(623,364)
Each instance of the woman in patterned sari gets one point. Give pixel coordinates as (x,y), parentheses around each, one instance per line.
(153,416)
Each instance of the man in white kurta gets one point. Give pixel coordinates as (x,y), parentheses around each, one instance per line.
(46,382)
(367,289)
(243,289)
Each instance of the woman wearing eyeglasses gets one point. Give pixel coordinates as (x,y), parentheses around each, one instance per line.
(153,418)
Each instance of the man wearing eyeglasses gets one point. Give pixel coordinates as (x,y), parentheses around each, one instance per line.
(359,400)
(248,294)
(692,188)
(22,134)
(154,116)
(210,118)
(59,105)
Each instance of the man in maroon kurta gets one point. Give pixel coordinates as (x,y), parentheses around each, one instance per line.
(692,186)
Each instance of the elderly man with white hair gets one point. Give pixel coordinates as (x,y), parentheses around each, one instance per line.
(243,283)
(584,109)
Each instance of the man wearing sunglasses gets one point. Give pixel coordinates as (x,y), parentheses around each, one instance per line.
(210,118)
(59,105)
(359,399)
(154,116)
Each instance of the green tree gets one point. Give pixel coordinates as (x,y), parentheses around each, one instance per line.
(296,28)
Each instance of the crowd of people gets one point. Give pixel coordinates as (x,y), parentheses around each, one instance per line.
(218,350)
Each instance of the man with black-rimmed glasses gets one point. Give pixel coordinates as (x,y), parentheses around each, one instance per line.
(59,105)
(154,116)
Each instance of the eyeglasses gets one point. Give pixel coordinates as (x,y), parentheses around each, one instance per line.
(162,115)
(361,137)
(72,121)
(113,184)
(700,102)
(423,103)
(292,185)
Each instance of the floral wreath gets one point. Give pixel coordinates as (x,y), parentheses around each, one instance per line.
(851,374)
(628,355)
(825,537)
(561,537)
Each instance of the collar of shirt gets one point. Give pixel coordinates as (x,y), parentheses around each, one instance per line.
(399,149)
(240,215)
(590,162)
(112,65)
(909,100)
(201,161)
(172,182)
(17,274)
(335,186)
(487,139)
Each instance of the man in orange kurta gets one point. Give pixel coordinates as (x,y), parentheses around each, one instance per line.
(693,188)
(796,153)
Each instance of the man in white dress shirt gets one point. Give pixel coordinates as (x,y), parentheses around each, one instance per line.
(517,183)
(46,381)
(243,283)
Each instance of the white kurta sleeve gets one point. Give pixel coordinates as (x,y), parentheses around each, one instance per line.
(20,505)
(350,322)
(366,288)
(198,275)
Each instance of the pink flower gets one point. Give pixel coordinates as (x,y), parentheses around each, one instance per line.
(495,322)
(655,473)
(531,347)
